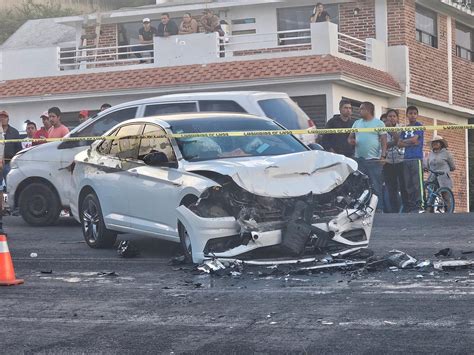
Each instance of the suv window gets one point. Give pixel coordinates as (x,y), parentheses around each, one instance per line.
(170,108)
(286,112)
(125,145)
(220,106)
(100,126)
(150,145)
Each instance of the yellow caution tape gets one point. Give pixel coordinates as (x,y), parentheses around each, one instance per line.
(253,133)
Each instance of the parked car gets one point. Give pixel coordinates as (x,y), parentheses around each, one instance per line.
(39,184)
(219,196)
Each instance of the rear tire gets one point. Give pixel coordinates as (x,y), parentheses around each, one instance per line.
(39,204)
(444,203)
(95,233)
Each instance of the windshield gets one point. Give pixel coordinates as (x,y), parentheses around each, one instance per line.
(206,148)
(286,112)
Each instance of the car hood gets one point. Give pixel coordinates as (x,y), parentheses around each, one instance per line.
(282,176)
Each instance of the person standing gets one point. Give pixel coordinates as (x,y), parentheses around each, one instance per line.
(412,141)
(30,133)
(188,25)
(83,116)
(57,130)
(393,168)
(319,14)
(167,27)
(370,148)
(338,143)
(440,160)
(210,22)
(145,37)
(11,148)
(43,131)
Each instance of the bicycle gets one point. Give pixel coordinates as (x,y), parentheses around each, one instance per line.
(438,199)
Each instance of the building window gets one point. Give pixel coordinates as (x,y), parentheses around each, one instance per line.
(298,18)
(426,26)
(243,21)
(464,41)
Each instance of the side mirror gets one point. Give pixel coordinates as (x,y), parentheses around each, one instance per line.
(156,159)
(315,146)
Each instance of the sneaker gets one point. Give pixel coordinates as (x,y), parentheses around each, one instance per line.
(64,213)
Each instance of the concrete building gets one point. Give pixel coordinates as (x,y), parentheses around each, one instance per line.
(394,53)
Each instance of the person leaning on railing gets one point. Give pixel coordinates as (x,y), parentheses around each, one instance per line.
(188,25)
(319,14)
(145,37)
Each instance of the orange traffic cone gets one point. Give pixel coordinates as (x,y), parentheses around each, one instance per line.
(7,273)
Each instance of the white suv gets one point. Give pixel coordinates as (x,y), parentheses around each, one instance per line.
(39,183)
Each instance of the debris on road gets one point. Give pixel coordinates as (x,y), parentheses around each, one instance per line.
(453,264)
(400,259)
(126,249)
(211,266)
(46,271)
(444,252)
(33,255)
(107,274)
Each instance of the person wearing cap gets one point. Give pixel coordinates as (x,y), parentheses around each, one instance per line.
(83,116)
(105,107)
(145,37)
(11,148)
(57,130)
(43,131)
(167,27)
(440,159)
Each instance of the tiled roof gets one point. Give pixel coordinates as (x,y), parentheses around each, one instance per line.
(196,74)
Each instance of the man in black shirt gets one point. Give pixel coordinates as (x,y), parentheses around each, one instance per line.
(337,143)
(10,148)
(167,27)
(145,37)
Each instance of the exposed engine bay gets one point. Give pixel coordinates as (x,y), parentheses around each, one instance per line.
(315,223)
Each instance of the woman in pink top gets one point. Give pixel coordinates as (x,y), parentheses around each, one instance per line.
(58,130)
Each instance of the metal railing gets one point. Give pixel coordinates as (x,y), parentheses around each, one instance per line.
(248,44)
(354,47)
(90,57)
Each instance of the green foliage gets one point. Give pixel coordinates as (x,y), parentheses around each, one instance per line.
(12,19)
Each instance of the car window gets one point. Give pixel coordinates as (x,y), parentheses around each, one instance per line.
(104,147)
(210,148)
(170,108)
(286,112)
(220,106)
(104,123)
(151,145)
(126,143)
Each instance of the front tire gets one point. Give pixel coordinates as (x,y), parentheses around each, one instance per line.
(444,202)
(39,204)
(96,235)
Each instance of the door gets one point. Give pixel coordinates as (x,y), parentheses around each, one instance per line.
(114,175)
(156,189)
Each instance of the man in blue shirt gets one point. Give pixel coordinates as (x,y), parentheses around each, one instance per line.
(412,141)
(370,148)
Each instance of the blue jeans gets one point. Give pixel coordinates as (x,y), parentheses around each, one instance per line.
(373,169)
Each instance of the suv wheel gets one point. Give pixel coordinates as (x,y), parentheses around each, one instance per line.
(97,236)
(39,204)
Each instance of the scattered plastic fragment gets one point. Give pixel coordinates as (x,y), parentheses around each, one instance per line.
(46,271)
(211,266)
(389,323)
(400,259)
(424,263)
(235,273)
(33,255)
(452,264)
(419,276)
(126,249)
(393,268)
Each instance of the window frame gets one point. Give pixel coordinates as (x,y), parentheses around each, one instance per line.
(148,106)
(140,131)
(173,150)
(459,49)
(419,33)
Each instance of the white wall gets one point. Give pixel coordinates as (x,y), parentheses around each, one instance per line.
(28,63)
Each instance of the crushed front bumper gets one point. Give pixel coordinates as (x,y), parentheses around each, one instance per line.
(351,229)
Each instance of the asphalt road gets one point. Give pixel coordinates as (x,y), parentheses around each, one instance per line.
(152,307)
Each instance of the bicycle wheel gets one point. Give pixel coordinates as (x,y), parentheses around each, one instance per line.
(444,201)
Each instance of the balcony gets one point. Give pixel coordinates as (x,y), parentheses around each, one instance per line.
(200,48)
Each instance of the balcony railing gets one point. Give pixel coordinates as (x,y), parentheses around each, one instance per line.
(199,48)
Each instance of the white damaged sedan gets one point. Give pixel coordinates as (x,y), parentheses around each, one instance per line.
(222,196)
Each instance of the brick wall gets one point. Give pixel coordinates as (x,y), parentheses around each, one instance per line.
(362,25)
(108,38)
(463,72)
